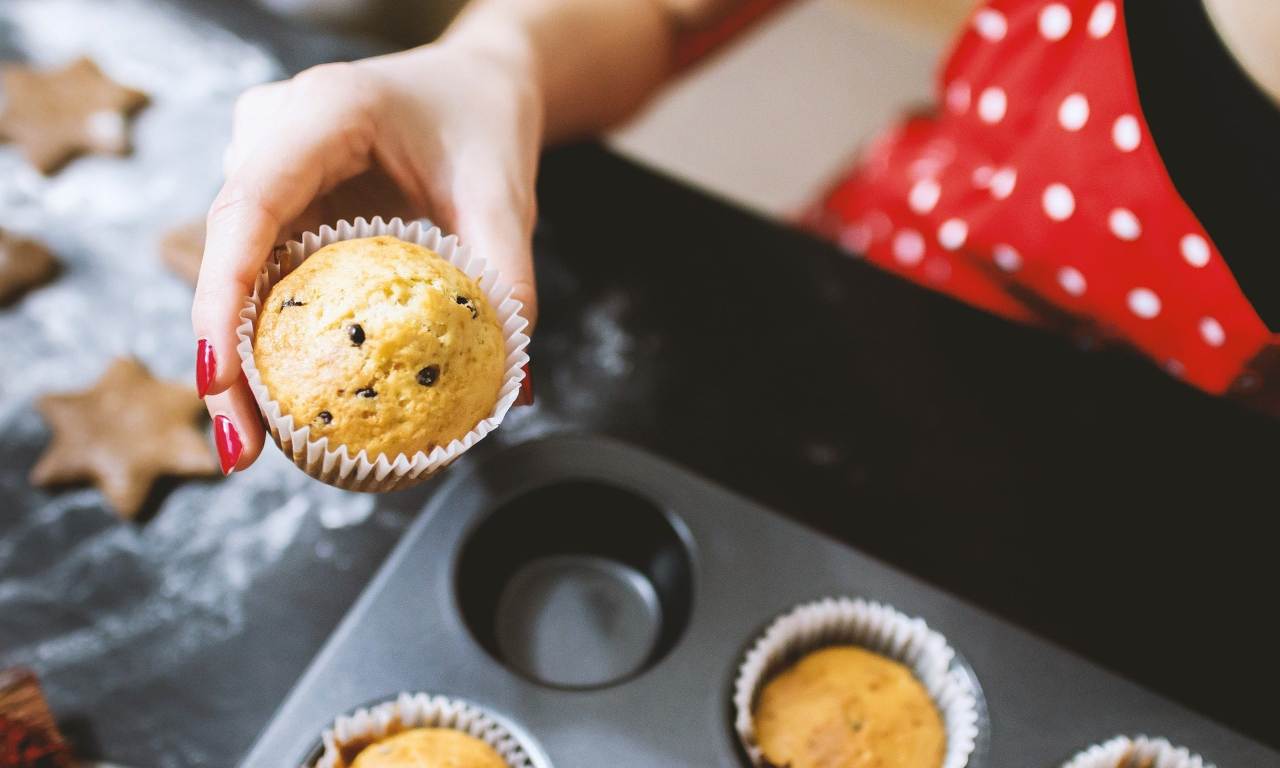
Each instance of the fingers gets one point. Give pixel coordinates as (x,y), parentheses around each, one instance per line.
(315,143)
(237,427)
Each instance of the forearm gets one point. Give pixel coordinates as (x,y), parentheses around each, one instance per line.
(591,62)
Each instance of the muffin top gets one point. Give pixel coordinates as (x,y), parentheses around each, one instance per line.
(847,707)
(429,748)
(381,345)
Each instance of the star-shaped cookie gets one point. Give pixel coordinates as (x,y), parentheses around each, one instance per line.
(24,264)
(55,115)
(182,249)
(122,434)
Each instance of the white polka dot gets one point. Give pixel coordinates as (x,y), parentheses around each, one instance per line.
(1195,249)
(1124,224)
(1007,257)
(1175,368)
(1212,333)
(1074,112)
(982,176)
(1102,19)
(908,247)
(952,234)
(1055,21)
(1071,281)
(856,238)
(1144,303)
(924,196)
(1003,182)
(1126,133)
(1058,202)
(958,96)
(992,105)
(991,24)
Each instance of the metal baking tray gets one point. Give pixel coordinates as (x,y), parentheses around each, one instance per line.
(599,599)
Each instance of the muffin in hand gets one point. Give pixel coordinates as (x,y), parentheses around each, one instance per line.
(381,345)
(379,352)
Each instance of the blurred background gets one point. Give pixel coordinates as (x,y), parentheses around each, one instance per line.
(738,125)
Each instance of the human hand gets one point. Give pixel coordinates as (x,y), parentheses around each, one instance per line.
(447,131)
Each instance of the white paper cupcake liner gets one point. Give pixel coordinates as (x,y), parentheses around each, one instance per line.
(878,628)
(335,464)
(421,710)
(1136,752)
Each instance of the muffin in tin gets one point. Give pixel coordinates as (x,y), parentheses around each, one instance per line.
(429,748)
(423,731)
(851,683)
(1137,752)
(846,706)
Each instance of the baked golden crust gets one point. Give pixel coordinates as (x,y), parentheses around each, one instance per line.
(429,748)
(381,345)
(847,707)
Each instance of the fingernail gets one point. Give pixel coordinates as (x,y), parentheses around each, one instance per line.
(228,441)
(526,388)
(206,366)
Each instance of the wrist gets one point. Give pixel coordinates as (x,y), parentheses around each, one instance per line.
(502,45)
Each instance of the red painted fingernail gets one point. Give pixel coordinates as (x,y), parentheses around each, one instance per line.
(228,441)
(526,388)
(206,366)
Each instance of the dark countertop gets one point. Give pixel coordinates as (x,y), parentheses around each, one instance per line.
(1082,494)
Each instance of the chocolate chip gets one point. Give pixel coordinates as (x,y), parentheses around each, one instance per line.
(427,376)
(325,416)
(356,334)
(366,392)
(291,302)
(467,303)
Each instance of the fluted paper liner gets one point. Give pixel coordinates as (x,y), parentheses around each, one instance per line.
(334,464)
(420,710)
(878,628)
(1137,752)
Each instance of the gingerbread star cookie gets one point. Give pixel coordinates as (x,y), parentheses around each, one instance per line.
(182,250)
(55,115)
(24,264)
(123,433)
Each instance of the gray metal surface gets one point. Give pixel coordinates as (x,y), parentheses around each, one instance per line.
(407,633)
(577,621)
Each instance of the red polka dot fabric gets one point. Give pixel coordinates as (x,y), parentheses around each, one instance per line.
(1036,192)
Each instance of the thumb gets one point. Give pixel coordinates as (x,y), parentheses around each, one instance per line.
(499,228)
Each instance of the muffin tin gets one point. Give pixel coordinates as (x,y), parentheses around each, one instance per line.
(599,601)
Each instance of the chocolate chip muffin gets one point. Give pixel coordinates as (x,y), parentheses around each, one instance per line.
(381,345)
(429,748)
(848,707)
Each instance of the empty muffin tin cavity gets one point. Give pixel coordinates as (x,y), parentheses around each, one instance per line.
(576,585)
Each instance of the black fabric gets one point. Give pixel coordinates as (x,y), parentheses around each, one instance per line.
(1219,136)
